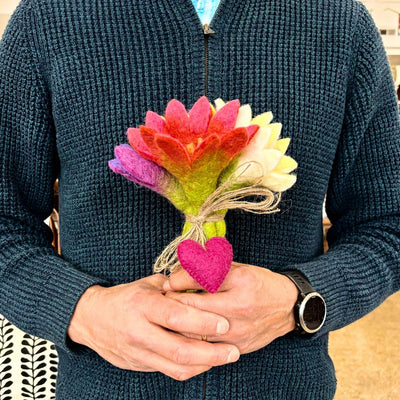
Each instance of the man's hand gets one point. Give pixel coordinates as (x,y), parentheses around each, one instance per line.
(257,302)
(134,326)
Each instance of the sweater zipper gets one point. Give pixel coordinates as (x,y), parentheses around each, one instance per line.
(207,32)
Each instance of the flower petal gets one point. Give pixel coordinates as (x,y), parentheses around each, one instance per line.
(208,147)
(139,169)
(219,103)
(177,122)
(286,165)
(148,138)
(155,121)
(263,119)
(248,170)
(177,157)
(136,141)
(234,142)
(213,111)
(276,129)
(199,117)
(270,159)
(244,116)
(279,182)
(116,166)
(224,119)
(252,130)
(258,141)
(282,145)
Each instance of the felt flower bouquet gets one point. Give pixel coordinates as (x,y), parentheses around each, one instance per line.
(205,162)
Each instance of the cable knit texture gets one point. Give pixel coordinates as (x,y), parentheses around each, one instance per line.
(74,75)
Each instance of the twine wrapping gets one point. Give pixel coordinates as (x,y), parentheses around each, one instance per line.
(224,198)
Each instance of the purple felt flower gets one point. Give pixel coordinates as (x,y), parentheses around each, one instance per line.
(134,167)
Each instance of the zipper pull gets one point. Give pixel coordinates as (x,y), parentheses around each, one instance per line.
(207,30)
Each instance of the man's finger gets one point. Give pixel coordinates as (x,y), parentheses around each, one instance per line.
(181,350)
(159,363)
(179,317)
(214,303)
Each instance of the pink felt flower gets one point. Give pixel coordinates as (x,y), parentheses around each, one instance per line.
(199,142)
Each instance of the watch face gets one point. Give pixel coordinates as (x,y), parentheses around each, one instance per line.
(312,312)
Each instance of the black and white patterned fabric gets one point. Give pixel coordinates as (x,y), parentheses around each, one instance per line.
(28,365)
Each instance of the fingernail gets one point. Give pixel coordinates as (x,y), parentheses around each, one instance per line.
(222,327)
(233,356)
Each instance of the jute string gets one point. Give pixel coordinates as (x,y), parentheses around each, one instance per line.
(224,198)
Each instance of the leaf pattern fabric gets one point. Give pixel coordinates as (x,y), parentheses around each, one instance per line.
(28,365)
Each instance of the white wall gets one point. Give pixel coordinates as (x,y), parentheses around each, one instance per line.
(6,9)
(385,12)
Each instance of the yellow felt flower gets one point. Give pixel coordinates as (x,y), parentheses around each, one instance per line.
(267,149)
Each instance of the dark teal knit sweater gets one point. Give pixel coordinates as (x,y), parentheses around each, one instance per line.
(74,75)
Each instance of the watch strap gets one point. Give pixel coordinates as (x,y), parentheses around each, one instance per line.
(299,280)
(305,291)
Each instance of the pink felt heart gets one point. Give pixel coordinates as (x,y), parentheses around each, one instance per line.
(207,266)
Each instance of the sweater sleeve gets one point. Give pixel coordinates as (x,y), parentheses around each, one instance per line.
(362,266)
(38,289)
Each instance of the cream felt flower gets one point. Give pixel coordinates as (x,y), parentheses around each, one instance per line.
(266,149)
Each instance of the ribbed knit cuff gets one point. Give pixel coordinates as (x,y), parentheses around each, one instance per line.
(326,277)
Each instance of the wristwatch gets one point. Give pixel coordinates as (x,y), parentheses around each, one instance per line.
(310,307)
